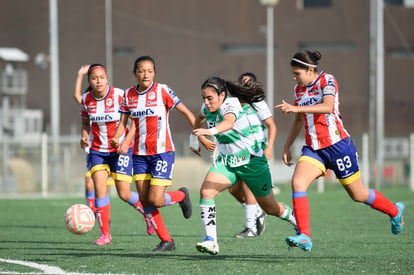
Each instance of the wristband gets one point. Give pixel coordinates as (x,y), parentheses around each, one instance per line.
(213,131)
(194,144)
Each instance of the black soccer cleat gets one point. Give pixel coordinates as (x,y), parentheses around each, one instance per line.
(165,246)
(186,205)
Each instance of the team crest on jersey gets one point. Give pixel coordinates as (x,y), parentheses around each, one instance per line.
(109,105)
(151,96)
(151,99)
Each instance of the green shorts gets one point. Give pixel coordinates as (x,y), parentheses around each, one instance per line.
(255,174)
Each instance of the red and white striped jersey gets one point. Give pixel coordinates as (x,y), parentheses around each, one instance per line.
(150,112)
(322,130)
(104,117)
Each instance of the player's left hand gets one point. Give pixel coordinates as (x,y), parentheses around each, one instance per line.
(123,148)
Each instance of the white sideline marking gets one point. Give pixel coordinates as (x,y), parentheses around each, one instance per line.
(44,269)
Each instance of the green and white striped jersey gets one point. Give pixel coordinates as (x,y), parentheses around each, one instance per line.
(263,113)
(239,143)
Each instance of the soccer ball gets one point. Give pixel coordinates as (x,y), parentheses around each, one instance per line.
(79,219)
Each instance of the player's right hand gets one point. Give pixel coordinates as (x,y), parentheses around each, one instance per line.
(287,157)
(83,70)
(84,143)
(115,142)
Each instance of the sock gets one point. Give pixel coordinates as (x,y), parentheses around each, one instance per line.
(288,216)
(208,217)
(174,197)
(154,216)
(259,210)
(301,211)
(103,213)
(250,216)
(134,202)
(379,202)
(90,200)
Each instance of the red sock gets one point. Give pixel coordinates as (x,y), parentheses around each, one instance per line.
(301,211)
(91,204)
(158,224)
(381,203)
(176,196)
(103,215)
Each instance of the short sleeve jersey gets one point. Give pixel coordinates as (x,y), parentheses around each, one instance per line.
(104,116)
(241,139)
(262,112)
(150,112)
(322,130)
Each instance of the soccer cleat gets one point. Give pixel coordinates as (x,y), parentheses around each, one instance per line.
(150,228)
(186,205)
(165,246)
(104,239)
(302,241)
(246,233)
(208,245)
(397,223)
(260,223)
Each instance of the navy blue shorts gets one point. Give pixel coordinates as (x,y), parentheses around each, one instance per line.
(341,157)
(118,166)
(156,168)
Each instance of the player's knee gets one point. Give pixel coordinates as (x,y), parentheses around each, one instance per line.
(208,193)
(298,183)
(124,197)
(156,202)
(358,198)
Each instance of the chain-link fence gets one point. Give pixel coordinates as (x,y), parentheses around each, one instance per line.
(45,168)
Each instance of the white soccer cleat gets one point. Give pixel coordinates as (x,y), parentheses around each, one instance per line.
(208,245)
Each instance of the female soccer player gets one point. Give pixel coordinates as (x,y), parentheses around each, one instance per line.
(77,95)
(240,156)
(328,146)
(100,116)
(254,214)
(149,104)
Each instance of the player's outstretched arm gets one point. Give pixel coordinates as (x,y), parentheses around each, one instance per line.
(77,95)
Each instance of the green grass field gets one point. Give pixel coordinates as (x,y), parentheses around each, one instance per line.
(347,238)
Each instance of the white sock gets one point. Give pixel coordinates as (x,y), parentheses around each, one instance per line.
(208,220)
(259,211)
(250,216)
(287,215)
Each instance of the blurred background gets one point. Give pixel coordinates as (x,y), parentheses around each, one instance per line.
(367,45)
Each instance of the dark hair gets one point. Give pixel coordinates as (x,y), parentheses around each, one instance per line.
(251,76)
(246,94)
(306,59)
(93,67)
(218,84)
(90,70)
(143,58)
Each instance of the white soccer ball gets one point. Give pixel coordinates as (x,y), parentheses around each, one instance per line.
(79,219)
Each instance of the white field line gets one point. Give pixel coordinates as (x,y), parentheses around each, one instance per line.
(43,269)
